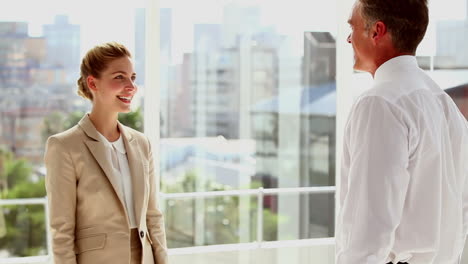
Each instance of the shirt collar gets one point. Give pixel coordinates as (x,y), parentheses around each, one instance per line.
(118,144)
(91,131)
(387,70)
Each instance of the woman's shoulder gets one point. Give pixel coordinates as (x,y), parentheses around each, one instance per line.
(69,135)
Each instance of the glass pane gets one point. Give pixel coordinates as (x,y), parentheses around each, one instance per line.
(246,99)
(22,231)
(234,219)
(298,216)
(41,47)
(210,221)
(443,51)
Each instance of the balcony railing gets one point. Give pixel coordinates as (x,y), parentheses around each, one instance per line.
(259,243)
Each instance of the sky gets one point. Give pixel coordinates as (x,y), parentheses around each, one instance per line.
(105,20)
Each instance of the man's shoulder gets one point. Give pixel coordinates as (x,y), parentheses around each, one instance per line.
(378,93)
(379,99)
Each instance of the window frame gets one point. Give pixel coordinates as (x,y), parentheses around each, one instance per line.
(345,99)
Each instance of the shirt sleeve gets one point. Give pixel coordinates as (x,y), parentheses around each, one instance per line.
(378,153)
(465,189)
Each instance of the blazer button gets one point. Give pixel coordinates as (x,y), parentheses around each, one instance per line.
(142,234)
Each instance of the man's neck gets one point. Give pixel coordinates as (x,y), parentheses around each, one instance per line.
(386,56)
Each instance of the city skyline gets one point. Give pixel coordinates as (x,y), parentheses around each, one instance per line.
(95,30)
(119,24)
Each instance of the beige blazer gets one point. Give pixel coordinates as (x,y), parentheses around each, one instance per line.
(88,219)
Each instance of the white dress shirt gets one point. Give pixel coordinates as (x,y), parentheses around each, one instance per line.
(118,156)
(403,193)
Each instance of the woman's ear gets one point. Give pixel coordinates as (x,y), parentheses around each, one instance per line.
(91,82)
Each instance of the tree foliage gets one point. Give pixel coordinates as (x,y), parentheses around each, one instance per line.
(221,215)
(57,122)
(22,227)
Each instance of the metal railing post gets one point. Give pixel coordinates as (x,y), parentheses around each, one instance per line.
(50,252)
(260,216)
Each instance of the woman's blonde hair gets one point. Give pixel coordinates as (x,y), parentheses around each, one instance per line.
(96,61)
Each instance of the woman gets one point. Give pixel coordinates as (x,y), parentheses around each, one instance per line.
(100,174)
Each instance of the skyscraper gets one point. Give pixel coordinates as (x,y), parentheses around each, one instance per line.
(13,61)
(63,46)
(319,63)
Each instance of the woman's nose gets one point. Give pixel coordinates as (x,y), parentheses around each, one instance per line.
(131,86)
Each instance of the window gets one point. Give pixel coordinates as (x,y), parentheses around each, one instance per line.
(250,114)
(249,105)
(41,46)
(447,61)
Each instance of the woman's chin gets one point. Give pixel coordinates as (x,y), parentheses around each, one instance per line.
(125,111)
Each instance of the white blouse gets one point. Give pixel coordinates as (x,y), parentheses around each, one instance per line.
(404,188)
(118,156)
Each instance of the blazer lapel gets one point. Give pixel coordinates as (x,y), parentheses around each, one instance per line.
(100,153)
(135,163)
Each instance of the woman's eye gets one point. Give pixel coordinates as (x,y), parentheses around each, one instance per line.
(119,77)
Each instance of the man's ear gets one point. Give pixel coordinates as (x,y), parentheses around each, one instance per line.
(379,30)
(91,82)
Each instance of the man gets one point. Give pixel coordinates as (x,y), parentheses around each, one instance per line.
(403,194)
